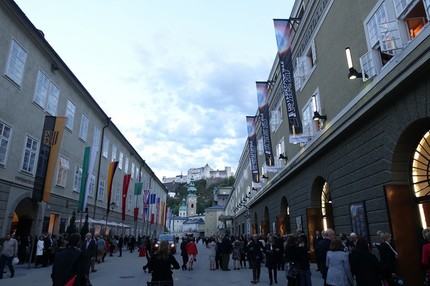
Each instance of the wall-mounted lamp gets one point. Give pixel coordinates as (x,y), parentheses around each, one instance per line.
(353,73)
(54,67)
(317,116)
(265,177)
(282,156)
(254,189)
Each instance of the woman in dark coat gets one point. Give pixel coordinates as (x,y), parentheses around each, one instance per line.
(271,252)
(162,262)
(388,258)
(292,257)
(364,265)
(254,252)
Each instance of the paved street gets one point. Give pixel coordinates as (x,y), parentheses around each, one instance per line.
(128,269)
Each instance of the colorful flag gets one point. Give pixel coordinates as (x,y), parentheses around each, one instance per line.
(152,202)
(138,188)
(263,107)
(136,213)
(125,184)
(283,40)
(52,135)
(146,194)
(157,211)
(252,148)
(112,169)
(163,215)
(87,169)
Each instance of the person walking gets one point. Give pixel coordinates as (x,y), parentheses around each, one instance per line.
(254,252)
(89,249)
(292,261)
(303,262)
(212,253)
(323,247)
(39,251)
(68,263)
(337,262)
(184,253)
(192,253)
(8,252)
(120,245)
(101,248)
(161,264)
(236,253)
(271,253)
(388,258)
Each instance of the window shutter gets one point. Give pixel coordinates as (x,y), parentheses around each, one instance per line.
(297,81)
(301,66)
(314,54)
(274,120)
(368,64)
(389,35)
(402,5)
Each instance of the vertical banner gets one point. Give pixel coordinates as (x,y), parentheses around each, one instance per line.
(138,188)
(125,184)
(151,203)
(52,135)
(146,194)
(157,211)
(283,40)
(112,169)
(84,178)
(252,148)
(263,107)
(136,213)
(163,215)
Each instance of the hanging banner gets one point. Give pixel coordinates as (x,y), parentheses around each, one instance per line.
(146,194)
(112,169)
(283,40)
(252,148)
(151,203)
(52,135)
(157,211)
(163,214)
(263,107)
(84,177)
(125,184)
(138,188)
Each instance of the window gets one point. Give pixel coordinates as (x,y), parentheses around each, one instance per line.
(260,146)
(92,186)
(63,167)
(5,136)
(113,153)
(101,194)
(30,152)
(105,146)
(96,138)
(83,130)
(132,170)
(46,93)
(280,149)
(130,202)
(121,158)
(305,65)
(117,196)
(276,118)
(16,63)
(77,179)
(309,125)
(126,165)
(70,114)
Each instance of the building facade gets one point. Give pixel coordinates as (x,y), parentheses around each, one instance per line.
(363,163)
(47,122)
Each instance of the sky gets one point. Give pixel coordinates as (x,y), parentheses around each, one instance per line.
(176,77)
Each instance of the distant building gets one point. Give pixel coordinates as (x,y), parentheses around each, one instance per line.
(205,172)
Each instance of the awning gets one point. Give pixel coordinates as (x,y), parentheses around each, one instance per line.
(225,218)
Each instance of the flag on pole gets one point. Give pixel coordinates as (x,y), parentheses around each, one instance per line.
(88,167)
(152,202)
(125,185)
(146,194)
(252,146)
(163,214)
(263,107)
(157,211)
(138,188)
(112,169)
(136,213)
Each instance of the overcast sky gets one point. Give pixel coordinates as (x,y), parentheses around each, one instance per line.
(177,77)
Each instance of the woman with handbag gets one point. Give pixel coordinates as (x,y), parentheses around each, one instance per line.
(337,262)
(161,264)
(292,269)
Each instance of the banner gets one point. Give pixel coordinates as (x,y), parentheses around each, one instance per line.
(112,169)
(146,194)
(52,135)
(283,40)
(125,184)
(138,188)
(252,148)
(263,107)
(87,169)
(151,203)
(136,213)
(157,211)
(163,215)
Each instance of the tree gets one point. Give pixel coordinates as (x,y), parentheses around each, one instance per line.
(72,228)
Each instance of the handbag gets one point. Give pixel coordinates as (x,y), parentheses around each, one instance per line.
(15,261)
(72,281)
(293,271)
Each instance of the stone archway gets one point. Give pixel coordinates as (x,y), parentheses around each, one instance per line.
(283,220)
(24,215)
(255,224)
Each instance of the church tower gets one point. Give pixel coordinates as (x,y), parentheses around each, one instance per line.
(191,199)
(183,209)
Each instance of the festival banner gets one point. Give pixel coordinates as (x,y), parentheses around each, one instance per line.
(87,169)
(136,213)
(52,135)
(146,194)
(151,203)
(283,40)
(157,211)
(252,148)
(163,214)
(125,184)
(263,107)
(138,188)
(112,169)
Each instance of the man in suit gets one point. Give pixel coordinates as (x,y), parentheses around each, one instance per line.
(323,247)
(89,249)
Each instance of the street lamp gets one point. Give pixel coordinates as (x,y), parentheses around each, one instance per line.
(112,207)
